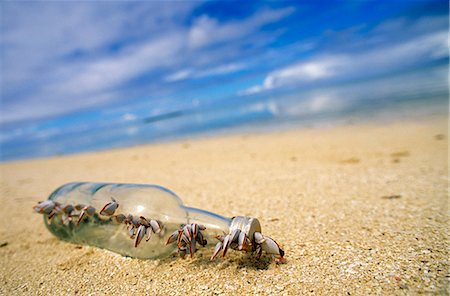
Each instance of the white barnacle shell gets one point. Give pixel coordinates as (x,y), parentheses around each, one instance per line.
(187,231)
(234,235)
(109,208)
(217,249)
(192,247)
(173,237)
(271,247)
(155,226)
(149,232)
(242,240)
(131,230)
(226,243)
(194,228)
(139,235)
(45,207)
(259,238)
(144,221)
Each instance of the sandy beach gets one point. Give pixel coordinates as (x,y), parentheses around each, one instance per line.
(359,209)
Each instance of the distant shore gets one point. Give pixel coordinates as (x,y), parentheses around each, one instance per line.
(189,126)
(359,209)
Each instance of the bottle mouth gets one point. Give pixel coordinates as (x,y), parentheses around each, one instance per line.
(248,225)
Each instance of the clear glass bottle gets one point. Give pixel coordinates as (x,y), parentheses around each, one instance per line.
(149,201)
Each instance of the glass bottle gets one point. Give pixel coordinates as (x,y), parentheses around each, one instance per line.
(149,201)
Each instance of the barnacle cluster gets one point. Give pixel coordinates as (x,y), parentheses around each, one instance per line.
(244,233)
(137,227)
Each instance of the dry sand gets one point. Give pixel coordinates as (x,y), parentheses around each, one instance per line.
(359,210)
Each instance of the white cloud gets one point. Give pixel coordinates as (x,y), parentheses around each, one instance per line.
(190,73)
(220,70)
(310,103)
(300,72)
(430,84)
(179,75)
(112,71)
(419,50)
(207,30)
(131,131)
(129,117)
(321,103)
(313,70)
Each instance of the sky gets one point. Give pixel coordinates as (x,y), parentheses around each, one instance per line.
(69,69)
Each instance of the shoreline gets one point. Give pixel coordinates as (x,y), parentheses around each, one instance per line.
(414,111)
(434,114)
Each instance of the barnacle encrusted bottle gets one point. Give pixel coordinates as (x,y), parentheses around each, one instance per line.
(107,215)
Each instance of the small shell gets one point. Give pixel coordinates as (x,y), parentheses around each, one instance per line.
(131,230)
(187,231)
(217,249)
(139,235)
(52,214)
(120,218)
(200,239)
(192,247)
(226,243)
(234,236)
(149,232)
(271,247)
(185,239)
(81,216)
(90,211)
(194,228)
(129,219)
(259,238)
(45,207)
(155,226)
(136,222)
(68,209)
(173,237)
(144,221)
(242,241)
(109,208)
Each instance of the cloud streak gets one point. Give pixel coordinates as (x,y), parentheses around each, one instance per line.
(93,64)
(207,31)
(340,67)
(208,72)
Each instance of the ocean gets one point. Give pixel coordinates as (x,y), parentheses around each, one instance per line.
(411,95)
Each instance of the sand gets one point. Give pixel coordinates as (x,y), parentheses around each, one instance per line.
(359,210)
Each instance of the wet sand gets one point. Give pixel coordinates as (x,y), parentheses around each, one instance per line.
(359,210)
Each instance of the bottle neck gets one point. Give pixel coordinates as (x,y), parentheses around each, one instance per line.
(211,221)
(248,225)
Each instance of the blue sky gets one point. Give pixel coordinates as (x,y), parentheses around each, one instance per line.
(71,67)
